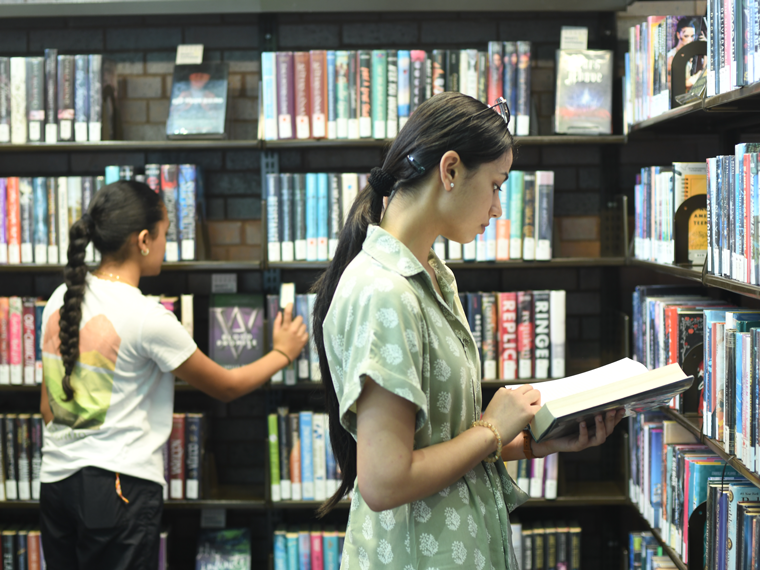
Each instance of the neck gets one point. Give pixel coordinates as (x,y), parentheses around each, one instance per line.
(125,272)
(413,224)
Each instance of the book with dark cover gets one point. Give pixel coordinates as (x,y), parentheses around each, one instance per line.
(35,97)
(286,217)
(236,329)
(323,94)
(81,97)
(301,309)
(294,427)
(65,98)
(353,94)
(525,335)
(529,216)
(23,454)
(274,228)
(285,441)
(36,454)
(474,310)
(544,215)
(299,216)
(483,77)
(177,457)
(170,195)
(550,546)
(391,129)
(574,545)
(27,219)
(194,449)
(539,537)
(583,103)
(364,91)
(490,336)
(417,87)
(198,103)
(428,78)
(542,339)
(10,455)
(5,99)
(527,548)
(495,72)
(228,549)
(452,70)
(623,384)
(301,68)
(439,71)
(522,108)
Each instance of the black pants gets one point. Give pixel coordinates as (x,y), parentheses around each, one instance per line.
(85,525)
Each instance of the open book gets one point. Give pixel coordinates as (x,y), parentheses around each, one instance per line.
(623,384)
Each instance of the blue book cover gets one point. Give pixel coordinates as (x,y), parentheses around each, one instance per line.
(280,550)
(330,549)
(186,211)
(315,374)
(404,83)
(739,368)
(722,528)
(738,211)
(323,206)
(112,174)
(490,239)
(304,549)
(274,239)
(291,540)
(269,94)
(332,102)
(738,492)
(40,201)
(655,473)
(228,549)
(312,216)
(307,456)
(304,364)
(331,466)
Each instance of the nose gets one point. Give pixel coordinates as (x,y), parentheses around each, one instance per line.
(496,207)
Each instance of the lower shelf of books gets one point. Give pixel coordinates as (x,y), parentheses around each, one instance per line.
(666,550)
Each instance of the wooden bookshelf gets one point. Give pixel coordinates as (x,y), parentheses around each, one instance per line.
(557,262)
(115,146)
(169,266)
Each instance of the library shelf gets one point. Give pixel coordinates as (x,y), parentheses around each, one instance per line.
(684,272)
(690,423)
(734,286)
(456,264)
(19,388)
(232,502)
(305,505)
(169,266)
(19,505)
(135,146)
(385,143)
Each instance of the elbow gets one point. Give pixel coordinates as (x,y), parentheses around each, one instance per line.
(227,394)
(378,495)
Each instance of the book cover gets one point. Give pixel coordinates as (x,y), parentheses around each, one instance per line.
(323,216)
(438,70)
(379,91)
(229,549)
(474,310)
(508,336)
(353,95)
(557,301)
(330,549)
(317,555)
(364,93)
(88,190)
(274,229)
(304,548)
(19,117)
(537,478)
(11,458)
(341,94)
(428,78)
(583,102)
(319,90)
(301,309)
(81,97)
(62,212)
(198,103)
(294,426)
(13,220)
(483,77)
(177,457)
(542,337)
(522,107)
(332,100)
(525,334)
(417,79)
(495,72)
(29,333)
(302,85)
(468,76)
(5,360)
(312,216)
(274,458)
(5,99)
(287,244)
(273,307)
(269,95)
(529,217)
(404,86)
(299,216)
(194,450)
(153,177)
(280,549)
(335,216)
(170,195)
(65,97)
(544,214)
(318,452)
(452,70)
(95,103)
(26,208)
(285,443)
(236,329)
(307,455)
(331,466)
(516,190)
(490,336)
(35,97)
(23,453)
(15,340)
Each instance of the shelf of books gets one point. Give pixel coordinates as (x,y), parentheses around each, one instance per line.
(124,145)
(168,266)
(384,143)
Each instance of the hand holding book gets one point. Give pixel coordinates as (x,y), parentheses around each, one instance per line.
(604,425)
(510,410)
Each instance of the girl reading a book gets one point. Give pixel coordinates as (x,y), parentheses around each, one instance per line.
(401,368)
(110,356)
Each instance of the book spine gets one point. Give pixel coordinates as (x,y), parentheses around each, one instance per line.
(312,216)
(304,364)
(317,555)
(33,542)
(483,76)
(88,191)
(428,78)
(495,72)
(23,452)
(307,456)
(274,458)
(170,194)
(508,336)
(302,89)
(335,214)
(28,332)
(468,74)
(524,334)
(537,478)
(379,90)
(81,98)
(62,211)
(323,216)
(286,217)
(66,110)
(5,100)
(269,94)
(417,87)
(551,465)
(516,190)
(542,337)
(353,95)
(391,127)
(452,70)
(364,79)
(404,86)
(475,318)
(490,337)
(439,67)
(299,216)
(153,177)
(522,109)
(285,94)
(27,220)
(341,94)
(557,319)
(319,93)
(95,81)
(11,458)
(193,456)
(18,101)
(304,549)
(14,220)
(74,194)
(35,97)
(503,225)
(274,240)
(294,420)
(280,550)
(544,214)
(331,95)
(529,217)
(331,466)
(285,443)
(5,360)
(51,96)
(3,221)
(318,449)
(40,202)
(177,457)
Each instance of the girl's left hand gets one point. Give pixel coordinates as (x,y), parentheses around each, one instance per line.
(604,427)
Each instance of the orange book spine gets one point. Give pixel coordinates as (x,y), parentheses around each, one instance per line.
(502,239)
(302,89)
(33,550)
(318,93)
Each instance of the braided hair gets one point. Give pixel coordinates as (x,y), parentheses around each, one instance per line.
(117,211)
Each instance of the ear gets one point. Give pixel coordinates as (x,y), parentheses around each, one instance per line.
(142,239)
(451,169)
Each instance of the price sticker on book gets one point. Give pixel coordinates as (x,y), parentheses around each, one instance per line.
(189,54)
(213,518)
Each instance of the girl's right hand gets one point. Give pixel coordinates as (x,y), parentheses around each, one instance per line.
(510,411)
(289,334)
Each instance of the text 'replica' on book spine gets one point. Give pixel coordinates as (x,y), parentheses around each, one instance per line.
(508,336)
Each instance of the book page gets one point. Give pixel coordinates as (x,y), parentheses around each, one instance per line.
(554,389)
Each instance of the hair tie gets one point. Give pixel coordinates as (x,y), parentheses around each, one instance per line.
(381,181)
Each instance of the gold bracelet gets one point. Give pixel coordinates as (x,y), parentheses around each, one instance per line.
(496,455)
(285,355)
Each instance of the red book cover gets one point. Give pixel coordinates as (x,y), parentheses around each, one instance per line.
(285,94)
(177,457)
(15,336)
(302,90)
(317,558)
(318,93)
(508,336)
(5,360)
(525,334)
(14,220)
(671,330)
(28,331)
(33,550)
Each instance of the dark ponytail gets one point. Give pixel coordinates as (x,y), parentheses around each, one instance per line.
(448,121)
(117,211)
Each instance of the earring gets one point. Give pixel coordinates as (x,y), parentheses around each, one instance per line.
(145,252)
(452,184)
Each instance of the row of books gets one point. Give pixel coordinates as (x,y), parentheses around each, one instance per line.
(308,548)
(21,548)
(20,340)
(547,545)
(537,477)
(184,454)
(20,456)
(352,94)
(306,212)
(658,194)
(52,98)
(301,461)
(646,553)
(36,213)
(672,475)
(520,335)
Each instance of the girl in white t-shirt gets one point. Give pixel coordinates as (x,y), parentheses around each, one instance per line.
(110,356)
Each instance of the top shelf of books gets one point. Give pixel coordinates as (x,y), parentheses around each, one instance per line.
(52,8)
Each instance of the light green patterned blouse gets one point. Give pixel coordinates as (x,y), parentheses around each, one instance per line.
(387,321)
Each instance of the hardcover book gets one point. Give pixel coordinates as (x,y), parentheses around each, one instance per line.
(5,100)
(95,70)
(198,101)
(228,549)
(236,329)
(65,97)
(170,194)
(302,85)
(188,178)
(18,100)
(35,97)
(81,97)
(584,92)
